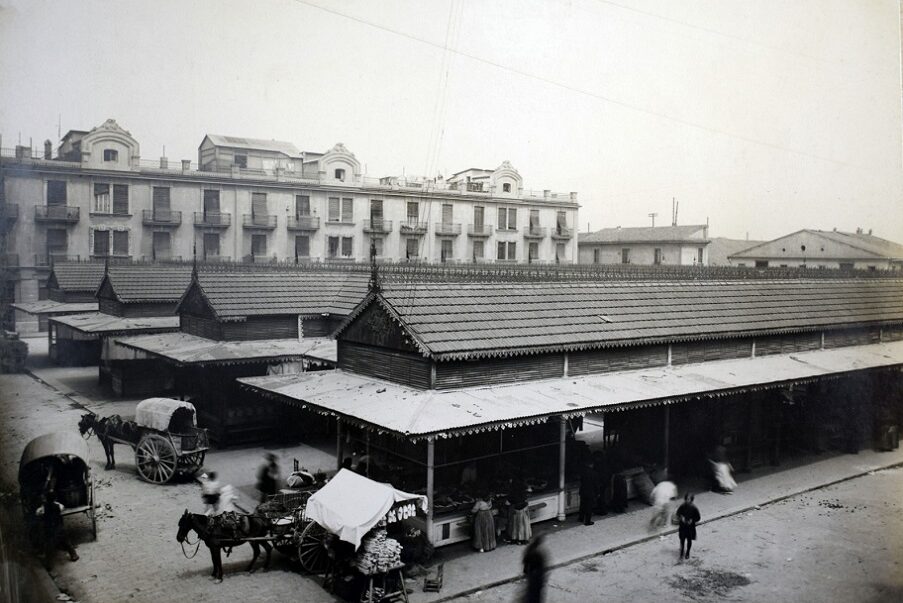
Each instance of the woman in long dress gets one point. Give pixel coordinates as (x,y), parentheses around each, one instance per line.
(483,538)
(519,529)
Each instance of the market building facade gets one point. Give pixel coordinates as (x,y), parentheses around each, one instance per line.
(261,201)
(451,388)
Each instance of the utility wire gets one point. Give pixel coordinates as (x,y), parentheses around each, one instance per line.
(587,93)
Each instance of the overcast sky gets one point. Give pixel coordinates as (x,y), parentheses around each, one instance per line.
(763,116)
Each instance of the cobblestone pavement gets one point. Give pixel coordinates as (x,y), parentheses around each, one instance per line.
(136,557)
(842,543)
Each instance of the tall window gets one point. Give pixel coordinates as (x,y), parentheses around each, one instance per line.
(302,246)
(377,245)
(478,251)
(56,192)
(507,218)
(211,244)
(101,243)
(57,242)
(478,212)
(447,209)
(259,205)
(507,251)
(258,245)
(413,212)
(597,256)
(211,203)
(161,246)
(161,203)
(102,204)
(533,252)
(332,247)
(347,247)
(699,256)
(534,220)
(376,213)
(561,223)
(111,242)
(560,252)
(302,205)
(625,256)
(340,210)
(121,199)
(657,259)
(447,251)
(412,248)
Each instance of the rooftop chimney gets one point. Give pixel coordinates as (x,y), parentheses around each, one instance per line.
(870,232)
(164,163)
(48,149)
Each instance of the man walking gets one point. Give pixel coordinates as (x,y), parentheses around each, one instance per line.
(688,515)
(268,477)
(535,564)
(589,491)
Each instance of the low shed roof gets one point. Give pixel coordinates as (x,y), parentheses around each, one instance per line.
(76,276)
(401,410)
(50,307)
(184,349)
(98,323)
(148,283)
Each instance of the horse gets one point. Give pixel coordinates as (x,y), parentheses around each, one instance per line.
(217,536)
(101,427)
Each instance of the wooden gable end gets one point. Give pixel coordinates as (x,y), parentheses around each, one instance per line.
(106,291)
(376,327)
(195,304)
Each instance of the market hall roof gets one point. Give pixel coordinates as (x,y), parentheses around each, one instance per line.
(843,245)
(76,276)
(235,293)
(185,349)
(390,407)
(450,321)
(147,283)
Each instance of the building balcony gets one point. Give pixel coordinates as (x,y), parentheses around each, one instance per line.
(210,257)
(535,232)
(447,229)
(9,212)
(378,226)
(111,256)
(303,223)
(167,217)
(507,230)
(259,259)
(212,220)
(259,221)
(562,233)
(412,227)
(339,222)
(52,257)
(10,260)
(479,230)
(56,213)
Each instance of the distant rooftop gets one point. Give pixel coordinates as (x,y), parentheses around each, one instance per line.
(644,234)
(255,144)
(860,244)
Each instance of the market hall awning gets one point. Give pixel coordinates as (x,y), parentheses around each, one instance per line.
(46,307)
(98,323)
(415,413)
(184,349)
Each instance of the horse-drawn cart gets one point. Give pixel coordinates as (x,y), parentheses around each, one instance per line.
(164,435)
(55,466)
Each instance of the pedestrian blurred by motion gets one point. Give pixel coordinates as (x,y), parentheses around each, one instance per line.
(662,495)
(722,472)
(589,492)
(535,563)
(688,516)
(268,477)
(210,492)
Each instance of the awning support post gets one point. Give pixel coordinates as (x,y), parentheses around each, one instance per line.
(339,444)
(666,456)
(369,461)
(562,437)
(430,466)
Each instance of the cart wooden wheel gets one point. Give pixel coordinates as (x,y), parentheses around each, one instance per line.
(92,510)
(192,462)
(312,550)
(155,458)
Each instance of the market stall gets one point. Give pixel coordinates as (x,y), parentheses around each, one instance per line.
(359,512)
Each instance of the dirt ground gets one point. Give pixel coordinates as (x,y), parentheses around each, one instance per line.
(842,543)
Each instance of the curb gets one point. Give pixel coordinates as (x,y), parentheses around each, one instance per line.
(644,539)
(57,389)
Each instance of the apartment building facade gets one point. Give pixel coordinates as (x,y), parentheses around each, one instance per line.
(258,200)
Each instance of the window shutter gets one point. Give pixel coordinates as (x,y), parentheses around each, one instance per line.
(501,255)
(211,244)
(211,202)
(56,192)
(120,242)
(376,210)
(302,206)
(478,217)
(512,219)
(333,209)
(346,246)
(258,204)
(120,199)
(447,213)
(302,246)
(347,210)
(503,219)
(161,198)
(562,221)
(534,219)
(413,211)
(101,242)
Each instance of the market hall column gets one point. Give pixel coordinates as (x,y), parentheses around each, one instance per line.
(430,464)
(339,444)
(562,437)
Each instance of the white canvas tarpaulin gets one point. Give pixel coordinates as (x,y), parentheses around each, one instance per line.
(157,412)
(351,504)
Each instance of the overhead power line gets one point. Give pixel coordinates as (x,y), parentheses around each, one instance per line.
(587,93)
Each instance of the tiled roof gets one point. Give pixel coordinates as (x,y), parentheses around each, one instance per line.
(464,320)
(644,234)
(235,294)
(134,283)
(77,276)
